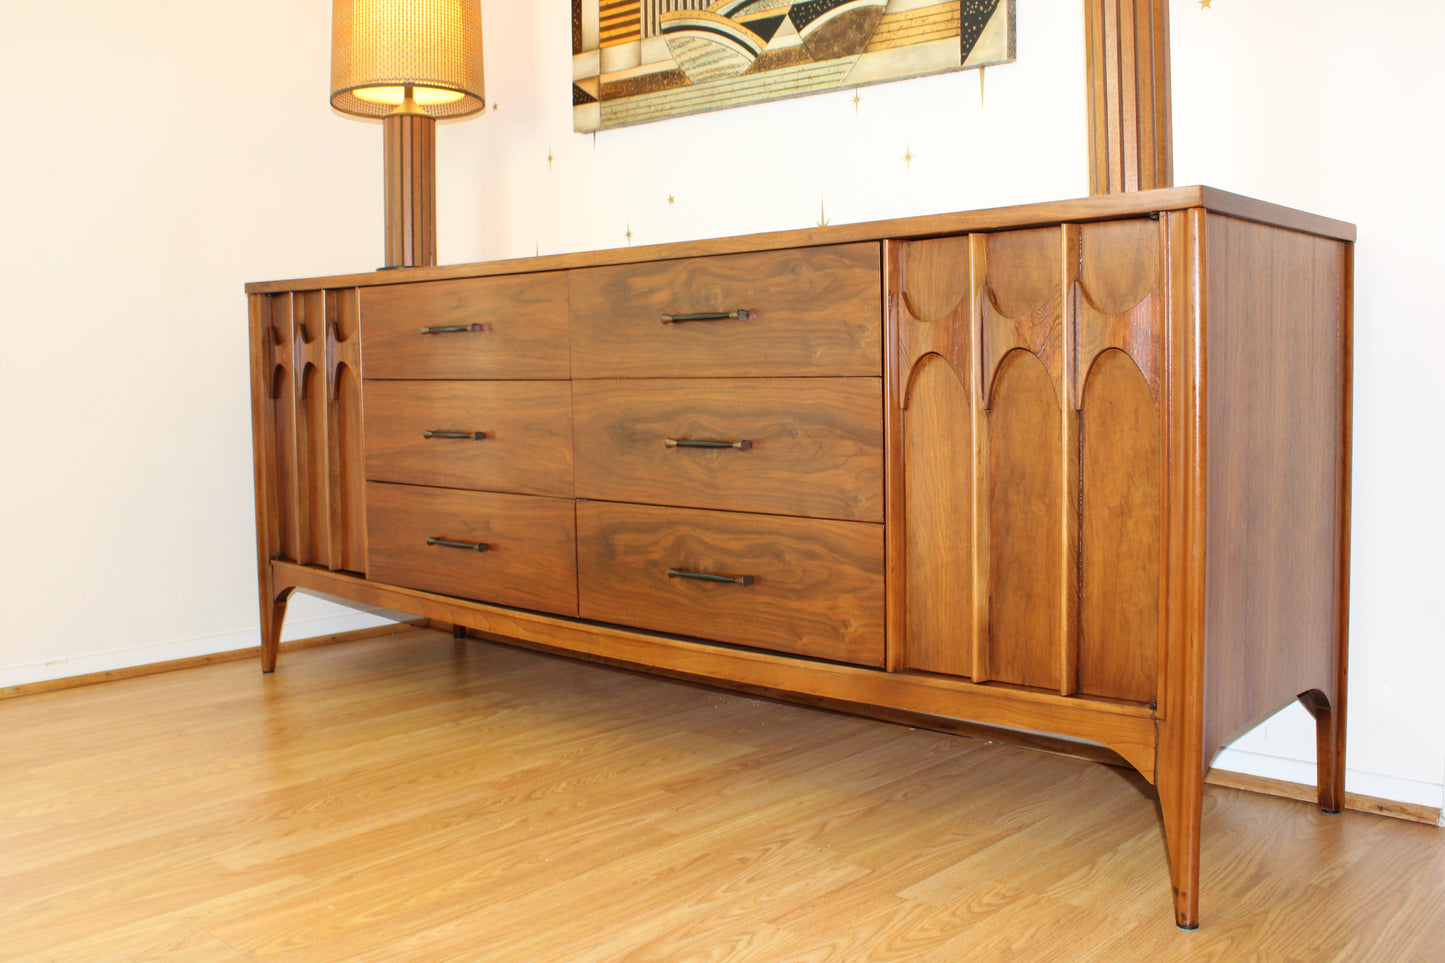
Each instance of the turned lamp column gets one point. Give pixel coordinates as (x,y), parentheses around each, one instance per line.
(408,62)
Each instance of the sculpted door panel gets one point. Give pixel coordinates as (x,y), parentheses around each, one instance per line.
(938,453)
(936,377)
(1025,470)
(1028,372)
(1119,614)
(1119,320)
(312,395)
(1025,519)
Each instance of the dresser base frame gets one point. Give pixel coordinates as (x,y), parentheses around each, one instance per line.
(1166,757)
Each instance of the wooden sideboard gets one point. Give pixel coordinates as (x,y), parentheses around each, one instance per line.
(1078,469)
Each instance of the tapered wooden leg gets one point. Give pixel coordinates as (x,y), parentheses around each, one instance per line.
(1182,804)
(273,614)
(1179,781)
(1329,750)
(459,633)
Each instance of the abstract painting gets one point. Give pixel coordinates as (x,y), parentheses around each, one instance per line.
(635,61)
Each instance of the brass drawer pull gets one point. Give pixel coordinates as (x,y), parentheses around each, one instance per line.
(738,315)
(686,443)
(708,577)
(465,435)
(456,328)
(448,543)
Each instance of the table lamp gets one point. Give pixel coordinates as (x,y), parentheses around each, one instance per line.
(408,62)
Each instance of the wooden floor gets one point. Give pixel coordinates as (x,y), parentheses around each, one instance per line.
(407,798)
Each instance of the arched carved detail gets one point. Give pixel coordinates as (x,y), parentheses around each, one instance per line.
(1020,303)
(1134,333)
(1040,334)
(932,308)
(1117,299)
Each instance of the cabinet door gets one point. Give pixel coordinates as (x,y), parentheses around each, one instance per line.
(1030,436)
(309,457)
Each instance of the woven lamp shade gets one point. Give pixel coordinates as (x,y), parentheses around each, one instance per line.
(380,47)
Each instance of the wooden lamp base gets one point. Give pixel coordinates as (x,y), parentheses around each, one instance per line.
(409,142)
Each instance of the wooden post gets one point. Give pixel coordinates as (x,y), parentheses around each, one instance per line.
(1130,126)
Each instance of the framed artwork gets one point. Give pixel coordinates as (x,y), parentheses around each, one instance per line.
(635,61)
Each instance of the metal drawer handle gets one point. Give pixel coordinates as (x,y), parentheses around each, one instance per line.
(739,315)
(456,328)
(686,443)
(465,435)
(708,577)
(448,543)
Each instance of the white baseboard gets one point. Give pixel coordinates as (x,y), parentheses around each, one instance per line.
(1393,788)
(294,628)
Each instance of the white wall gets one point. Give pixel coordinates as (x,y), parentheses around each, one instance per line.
(158,156)
(132,223)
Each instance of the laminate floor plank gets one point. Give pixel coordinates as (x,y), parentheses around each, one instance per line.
(409,798)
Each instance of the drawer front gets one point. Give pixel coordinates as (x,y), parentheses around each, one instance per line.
(815,587)
(816,311)
(805,446)
(530,561)
(526,428)
(514,327)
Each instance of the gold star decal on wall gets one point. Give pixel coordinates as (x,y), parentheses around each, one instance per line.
(822,214)
(550,158)
(908,157)
(495,106)
(671,199)
(857,99)
(628,235)
(1204,4)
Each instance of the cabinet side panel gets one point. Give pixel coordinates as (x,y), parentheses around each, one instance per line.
(938,450)
(1025,519)
(1275,337)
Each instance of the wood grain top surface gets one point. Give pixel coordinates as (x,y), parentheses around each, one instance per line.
(987,219)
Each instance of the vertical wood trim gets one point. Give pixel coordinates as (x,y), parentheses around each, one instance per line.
(293,485)
(1071,451)
(264,442)
(894,481)
(1130,120)
(1180,764)
(335,520)
(977,389)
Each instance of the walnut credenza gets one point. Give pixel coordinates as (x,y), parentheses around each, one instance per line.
(1078,469)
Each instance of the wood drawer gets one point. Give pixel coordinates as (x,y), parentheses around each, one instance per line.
(814,446)
(816,586)
(815,311)
(530,562)
(527,428)
(516,327)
